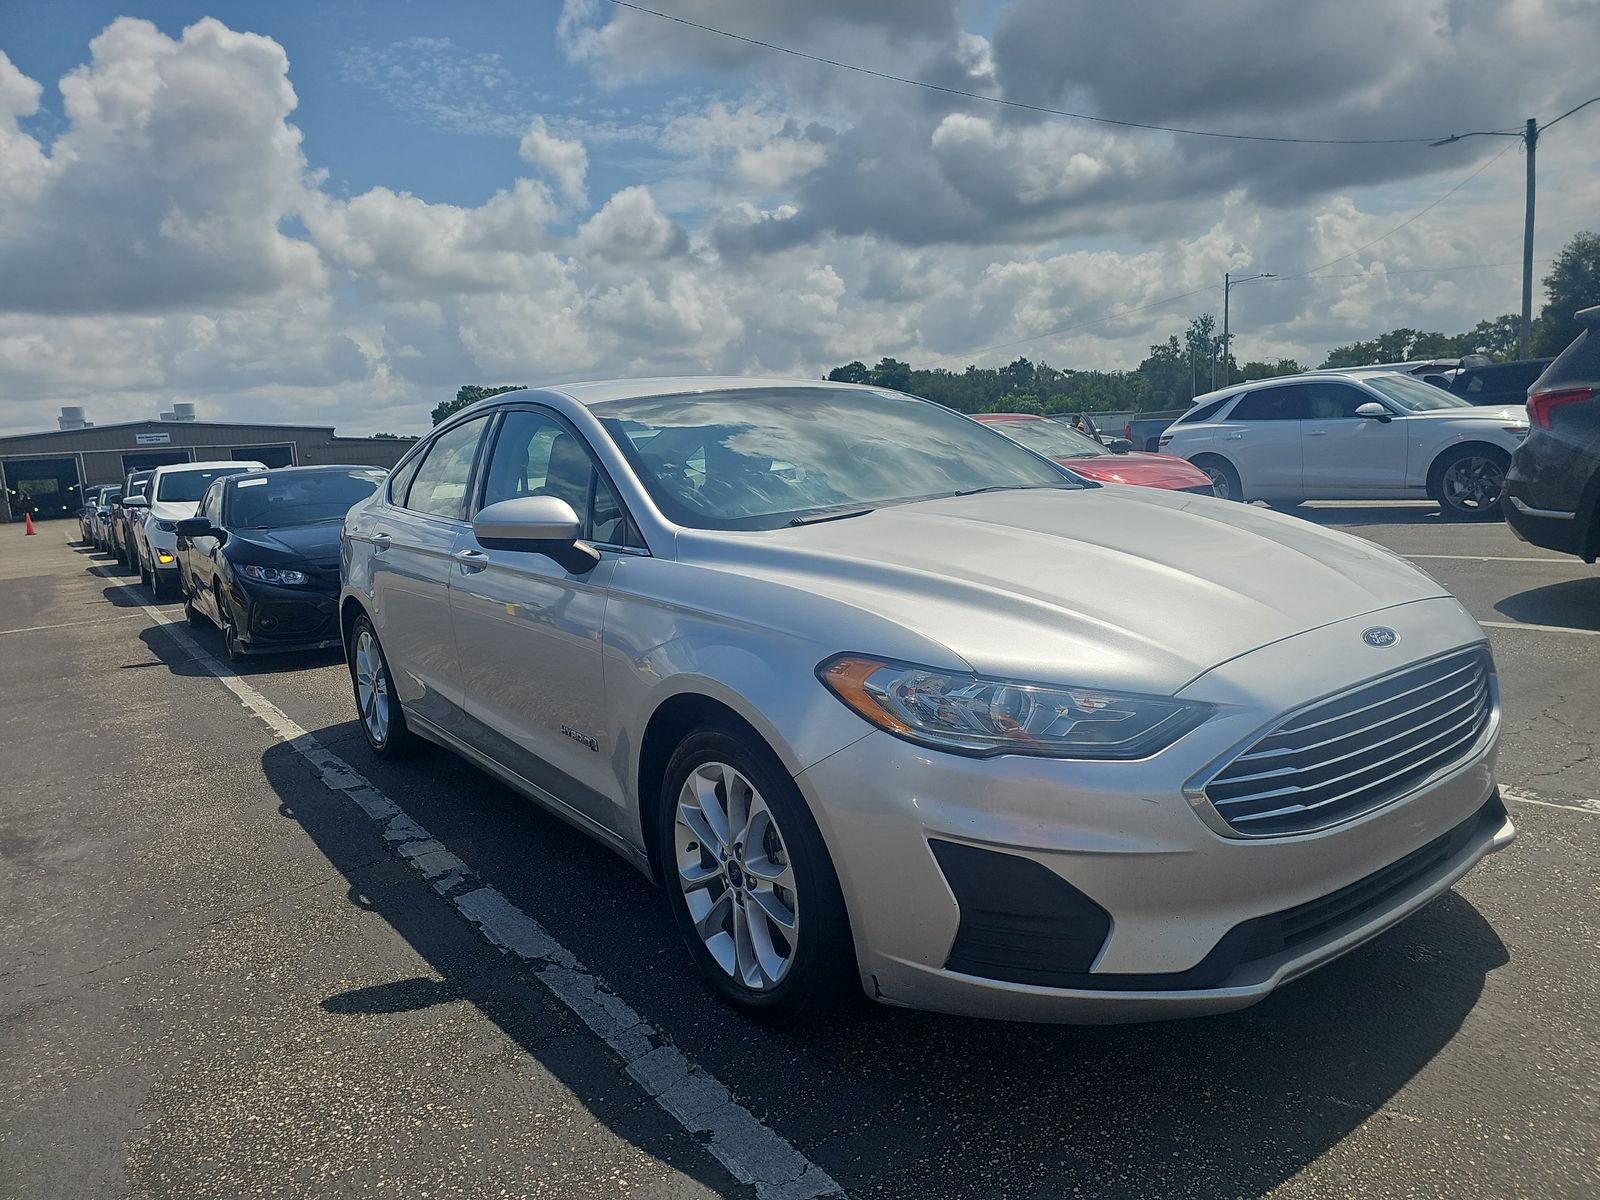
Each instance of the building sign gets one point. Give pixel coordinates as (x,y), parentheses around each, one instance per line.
(152,439)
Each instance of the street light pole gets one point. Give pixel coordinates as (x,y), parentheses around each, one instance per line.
(1228,282)
(1530,139)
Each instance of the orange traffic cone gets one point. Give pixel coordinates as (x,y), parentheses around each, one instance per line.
(27,524)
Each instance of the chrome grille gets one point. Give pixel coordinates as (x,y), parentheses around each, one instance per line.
(1359,750)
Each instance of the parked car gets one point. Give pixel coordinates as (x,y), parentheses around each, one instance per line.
(99,526)
(1498,384)
(1087,457)
(174,493)
(1144,431)
(88,515)
(1553,487)
(884,702)
(1344,436)
(260,559)
(119,539)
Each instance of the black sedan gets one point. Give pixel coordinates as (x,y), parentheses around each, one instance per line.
(260,559)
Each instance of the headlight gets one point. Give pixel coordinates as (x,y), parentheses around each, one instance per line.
(167,526)
(969,714)
(273,574)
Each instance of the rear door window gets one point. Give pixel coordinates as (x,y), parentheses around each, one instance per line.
(1272,404)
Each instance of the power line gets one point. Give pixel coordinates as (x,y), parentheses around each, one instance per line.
(1018,104)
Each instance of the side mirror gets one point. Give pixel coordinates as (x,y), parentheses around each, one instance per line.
(1374,411)
(536,525)
(193,527)
(135,502)
(1119,445)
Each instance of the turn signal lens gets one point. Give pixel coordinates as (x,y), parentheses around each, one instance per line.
(971,714)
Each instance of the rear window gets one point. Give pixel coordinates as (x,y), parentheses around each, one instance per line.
(1578,363)
(1203,413)
(1271,404)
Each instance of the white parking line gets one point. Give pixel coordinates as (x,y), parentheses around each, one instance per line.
(750,1151)
(1539,628)
(65,624)
(1517,796)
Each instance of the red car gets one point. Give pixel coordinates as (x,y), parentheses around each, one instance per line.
(1087,457)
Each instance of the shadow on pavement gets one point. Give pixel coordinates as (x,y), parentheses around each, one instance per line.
(160,644)
(1571,604)
(1401,512)
(902,1104)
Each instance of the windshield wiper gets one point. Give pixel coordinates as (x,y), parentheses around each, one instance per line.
(834,514)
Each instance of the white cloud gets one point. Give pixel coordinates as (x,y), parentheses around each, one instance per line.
(563,159)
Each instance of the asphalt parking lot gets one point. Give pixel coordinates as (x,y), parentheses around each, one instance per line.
(224,973)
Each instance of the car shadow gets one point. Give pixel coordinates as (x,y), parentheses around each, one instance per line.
(1570,604)
(1401,512)
(161,645)
(901,1103)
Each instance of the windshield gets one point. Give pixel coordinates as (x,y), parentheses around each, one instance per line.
(186,487)
(277,501)
(1049,437)
(761,458)
(1414,395)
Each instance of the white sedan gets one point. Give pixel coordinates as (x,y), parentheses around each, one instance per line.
(1336,436)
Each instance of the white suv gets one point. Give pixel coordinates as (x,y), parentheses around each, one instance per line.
(173,495)
(1344,436)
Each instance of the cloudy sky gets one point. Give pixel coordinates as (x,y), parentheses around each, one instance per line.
(341,210)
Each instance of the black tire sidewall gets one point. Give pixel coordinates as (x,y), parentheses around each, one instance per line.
(824,969)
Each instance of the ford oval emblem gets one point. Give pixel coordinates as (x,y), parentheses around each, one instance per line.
(1380,636)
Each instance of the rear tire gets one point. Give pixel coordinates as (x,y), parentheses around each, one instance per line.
(1224,477)
(749,880)
(1467,482)
(383,720)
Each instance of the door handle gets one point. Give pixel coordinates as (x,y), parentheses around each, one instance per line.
(380,541)
(472,560)
(1316,433)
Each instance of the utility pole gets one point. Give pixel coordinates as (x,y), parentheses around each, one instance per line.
(1228,283)
(1530,140)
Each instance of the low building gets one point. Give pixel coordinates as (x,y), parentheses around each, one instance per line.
(46,474)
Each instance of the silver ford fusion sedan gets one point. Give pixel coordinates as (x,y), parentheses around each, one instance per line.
(885,700)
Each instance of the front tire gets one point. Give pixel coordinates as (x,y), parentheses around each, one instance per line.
(1468,480)
(749,880)
(1223,475)
(383,721)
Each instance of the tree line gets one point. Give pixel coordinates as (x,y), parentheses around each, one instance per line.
(1186,365)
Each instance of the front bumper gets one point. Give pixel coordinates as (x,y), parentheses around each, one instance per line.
(276,619)
(1190,912)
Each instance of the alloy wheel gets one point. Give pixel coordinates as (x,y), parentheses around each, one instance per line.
(737,881)
(372,687)
(1219,482)
(1472,483)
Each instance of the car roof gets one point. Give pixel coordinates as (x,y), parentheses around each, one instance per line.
(1250,385)
(601,391)
(991,418)
(318,469)
(245,464)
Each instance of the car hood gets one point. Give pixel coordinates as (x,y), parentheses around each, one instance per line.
(1113,587)
(1145,470)
(1507,414)
(295,545)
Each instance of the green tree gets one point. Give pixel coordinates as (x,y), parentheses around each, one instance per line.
(851,372)
(1500,337)
(387,437)
(471,393)
(1573,283)
(890,373)
(1269,370)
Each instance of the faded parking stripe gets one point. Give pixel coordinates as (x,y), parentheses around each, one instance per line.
(702,1106)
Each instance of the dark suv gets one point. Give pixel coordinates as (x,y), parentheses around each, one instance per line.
(1498,383)
(1553,488)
